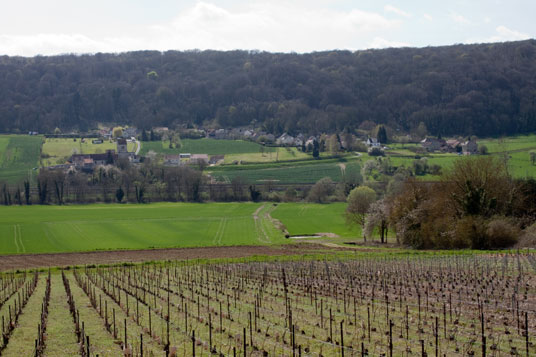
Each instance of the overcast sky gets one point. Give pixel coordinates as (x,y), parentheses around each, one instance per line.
(32,27)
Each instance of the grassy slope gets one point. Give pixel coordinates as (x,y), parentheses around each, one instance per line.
(60,149)
(35,229)
(18,155)
(309,173)
(301,218)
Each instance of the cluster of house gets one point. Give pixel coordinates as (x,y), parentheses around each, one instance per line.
(467,147)
(88,162)
(192,159)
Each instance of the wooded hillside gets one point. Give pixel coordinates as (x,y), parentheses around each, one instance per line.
(485,89)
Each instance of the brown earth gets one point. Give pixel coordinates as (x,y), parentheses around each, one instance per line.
(25,261)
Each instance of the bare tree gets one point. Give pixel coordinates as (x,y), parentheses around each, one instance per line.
(377,217)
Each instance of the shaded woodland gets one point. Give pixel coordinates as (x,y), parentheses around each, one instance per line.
(484,89)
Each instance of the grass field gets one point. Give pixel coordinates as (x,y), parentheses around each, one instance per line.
(309,172)
(49,229)
(39,229)
(234,150)
(57,151)
(514,143)
(310,218)
(19,154)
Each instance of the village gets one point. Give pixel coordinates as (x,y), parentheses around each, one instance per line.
(121,137)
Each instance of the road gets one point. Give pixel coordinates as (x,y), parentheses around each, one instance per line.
(138,147)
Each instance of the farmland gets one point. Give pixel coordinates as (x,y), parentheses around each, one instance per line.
(40,229)
(294,173)
(234,150)
(310,219)
(18,156)
(346,305)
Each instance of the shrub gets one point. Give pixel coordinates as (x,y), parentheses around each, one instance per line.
(501,233)
(528,238)
(471,232)
(376,152)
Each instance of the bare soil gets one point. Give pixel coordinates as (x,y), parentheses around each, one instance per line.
(26,261)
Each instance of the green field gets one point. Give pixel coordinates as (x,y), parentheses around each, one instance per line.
(234,150)
(57,151)
(40,229)
(308,172)
(19,154)
(311,218)
(514,143)
(37,229)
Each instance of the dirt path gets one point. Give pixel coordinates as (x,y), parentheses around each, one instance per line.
(342,166)
(25,261)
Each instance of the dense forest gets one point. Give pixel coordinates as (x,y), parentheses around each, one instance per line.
(484,89)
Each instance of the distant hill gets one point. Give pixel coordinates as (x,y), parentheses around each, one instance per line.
(484,89)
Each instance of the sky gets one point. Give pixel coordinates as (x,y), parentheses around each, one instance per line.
(37,27)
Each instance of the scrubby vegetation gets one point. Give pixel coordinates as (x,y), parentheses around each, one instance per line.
(476,205)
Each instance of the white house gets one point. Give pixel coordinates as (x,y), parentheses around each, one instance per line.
(372,142)
(285,139)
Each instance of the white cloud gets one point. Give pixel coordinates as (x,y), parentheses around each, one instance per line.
(428,17)
(271,26)
(506,34)
(391,8)
(460,19)
(45,44)
(379,42)
(502,34)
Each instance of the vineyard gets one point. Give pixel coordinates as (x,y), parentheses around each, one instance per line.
(405,306)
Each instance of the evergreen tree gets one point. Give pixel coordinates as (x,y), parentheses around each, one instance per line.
(381,135)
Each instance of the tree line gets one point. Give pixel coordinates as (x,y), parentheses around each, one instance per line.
(476,204)
(483,89)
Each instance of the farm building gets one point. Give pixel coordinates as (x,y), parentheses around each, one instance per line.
(285,139)
(88,162)
(199,158)
(453,145)
(172,160)
(470,147)
(432,144)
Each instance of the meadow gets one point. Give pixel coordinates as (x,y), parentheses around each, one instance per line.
(40,229)
(307,172)
(57,151)
(19,155)
(312,218)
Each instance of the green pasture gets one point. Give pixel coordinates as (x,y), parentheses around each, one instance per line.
(512,143)
(312,218)
(38,229)
(19,154)
(57,151)
(269,154)
(289,174)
